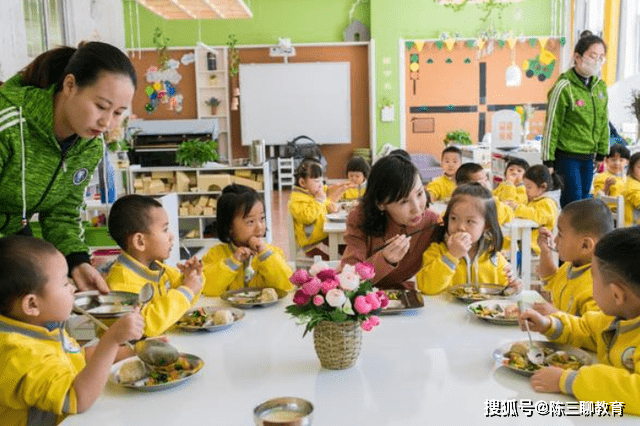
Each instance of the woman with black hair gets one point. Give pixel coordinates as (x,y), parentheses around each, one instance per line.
(52,117)
(391,227)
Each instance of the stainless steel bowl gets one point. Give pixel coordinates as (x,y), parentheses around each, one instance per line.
(103,306)
(284,411)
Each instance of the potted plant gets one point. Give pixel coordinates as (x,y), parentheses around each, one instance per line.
(635,108)
(337,307)
(459,137)
(213,102)
(196,152)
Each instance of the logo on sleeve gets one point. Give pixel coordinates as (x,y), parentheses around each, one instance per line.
(627,358)
(79,176)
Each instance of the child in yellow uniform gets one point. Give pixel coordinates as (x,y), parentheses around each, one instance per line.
(612,180)
(632,191)
(357,172)
(308,206)
(45,374)
(467,246)
(473,172)
(540,208)
(581,224)
(442,187)
(616,290)
(243,259)
(140,226)
(512,188)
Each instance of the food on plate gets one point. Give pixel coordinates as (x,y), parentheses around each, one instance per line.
(496,311)
(200,318)
(268,295)
(132,371)
(179,369)
(517,358)
(222,317)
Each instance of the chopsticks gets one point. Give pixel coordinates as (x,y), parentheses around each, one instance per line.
(417,231)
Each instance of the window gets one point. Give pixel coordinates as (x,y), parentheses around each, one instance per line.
(44,25)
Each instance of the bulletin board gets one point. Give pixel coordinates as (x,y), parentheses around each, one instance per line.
(459,84)
(162,92)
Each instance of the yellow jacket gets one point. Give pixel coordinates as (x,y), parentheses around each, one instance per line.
(616,189)
(224,272)
(507,191)
(170,298)
(505,213)
(542,210)
(617,377)
(572,289)
(441,187)
(355,193)
(308,217)
(441,270)
(631,200)
(39,367)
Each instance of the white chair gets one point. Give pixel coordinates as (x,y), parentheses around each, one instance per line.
(618,217)
(296,255)
(506,129)
(285,172)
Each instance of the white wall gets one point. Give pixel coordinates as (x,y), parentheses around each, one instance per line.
(13,39)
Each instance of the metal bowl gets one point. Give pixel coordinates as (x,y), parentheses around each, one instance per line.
(249,297)
(112,305)
(284,411)
(475,292)
(501,357)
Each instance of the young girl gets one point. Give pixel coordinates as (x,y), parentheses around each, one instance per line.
(244,259)
(632,190)
(467,246)
(540,208)
(357,172)
(512,188)
(308,206)
(612,180)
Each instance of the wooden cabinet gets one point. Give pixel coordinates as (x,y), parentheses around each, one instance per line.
(198,190)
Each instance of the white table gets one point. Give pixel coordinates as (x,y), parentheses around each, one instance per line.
(432,367)
(520,230)
(335,230)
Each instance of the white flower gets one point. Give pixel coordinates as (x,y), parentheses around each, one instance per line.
(349,280)
(351,269)
(335,298)
(317,267)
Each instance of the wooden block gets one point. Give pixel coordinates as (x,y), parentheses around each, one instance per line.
(197,210)
(243,173)
(137,183)
(163,175)
(192,234)
(213,202)
(213,182)
(182,182)
(203,200)
(258,178)
(184,211)
(156,186)
(207,211)
(248,182)
(185,203)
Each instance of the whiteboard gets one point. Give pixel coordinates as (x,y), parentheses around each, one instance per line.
(281,101)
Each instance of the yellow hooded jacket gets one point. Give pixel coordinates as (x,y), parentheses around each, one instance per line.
(617,377)
(544,211)
(224,272)
(507,191)
(170,298)
(571,289)
(308,217)
(441,270)
(631,200)
(441,187)
(39,367)
(355,193)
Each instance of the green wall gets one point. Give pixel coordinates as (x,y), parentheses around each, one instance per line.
(308,21)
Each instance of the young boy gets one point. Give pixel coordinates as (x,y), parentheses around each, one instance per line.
(474,172)
(612,180)
(512,188)
(616,290)
(357,173)
(140,226)
(581,225)
(45,374)
(442,187)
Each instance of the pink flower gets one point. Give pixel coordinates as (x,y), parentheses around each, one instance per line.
(327,274)
(365,270)
(373,300)
(349,281)
(362,306)
(317,267)
(299,277)
(367,325)
(384,299)
(318,300)
(301,298)
(374,320)
(329,284)
(336,298)
(312,286)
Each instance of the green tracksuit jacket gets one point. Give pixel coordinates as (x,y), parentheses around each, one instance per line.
(577,121)
(55,181)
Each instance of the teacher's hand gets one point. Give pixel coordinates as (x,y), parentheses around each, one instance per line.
(87,277)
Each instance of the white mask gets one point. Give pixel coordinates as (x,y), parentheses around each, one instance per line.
(591,66)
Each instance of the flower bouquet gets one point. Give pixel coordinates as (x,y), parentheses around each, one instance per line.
(337,307)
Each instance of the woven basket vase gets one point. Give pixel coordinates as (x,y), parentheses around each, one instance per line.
(337,344)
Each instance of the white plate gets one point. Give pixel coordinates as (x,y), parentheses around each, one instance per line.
(492,304)
(247,297)
(500,354)
(210,311)
(140,385)
(337,217)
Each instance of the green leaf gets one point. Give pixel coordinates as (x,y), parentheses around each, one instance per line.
(439,44)
(533,41)
(471,43)
(337,315)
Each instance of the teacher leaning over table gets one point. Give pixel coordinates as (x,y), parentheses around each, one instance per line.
(52,117)
(391,226)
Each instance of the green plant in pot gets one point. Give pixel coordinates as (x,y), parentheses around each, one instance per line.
(196,152)
(213,102)
(458,137)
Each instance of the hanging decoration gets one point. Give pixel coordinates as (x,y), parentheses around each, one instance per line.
(161,87)
(409,44)
(541,66)
(513,75)
(419,45)
(439,44)
(471,43)
(414,67)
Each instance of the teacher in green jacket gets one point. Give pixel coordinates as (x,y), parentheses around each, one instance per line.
(577,126)
(52,117)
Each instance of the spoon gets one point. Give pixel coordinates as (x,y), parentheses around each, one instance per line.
(145,295)
(534,354)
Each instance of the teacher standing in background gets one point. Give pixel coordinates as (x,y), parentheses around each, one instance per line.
(52,117)
(577,126)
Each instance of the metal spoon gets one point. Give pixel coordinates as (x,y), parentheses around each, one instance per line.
(534,354)
(97,322)
(156,353)
(145,295)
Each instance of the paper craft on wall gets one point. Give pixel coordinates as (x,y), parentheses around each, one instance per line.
(162,88)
